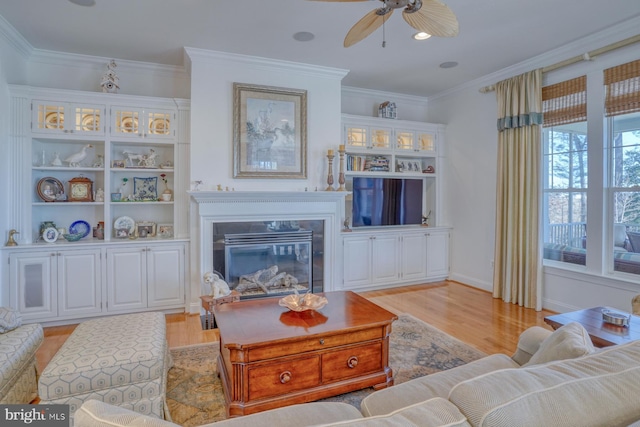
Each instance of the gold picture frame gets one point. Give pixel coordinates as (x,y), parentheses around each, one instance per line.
(269,132)
(145,229)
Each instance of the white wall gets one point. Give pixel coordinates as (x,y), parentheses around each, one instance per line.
(364,102)
(212,78)
(469,186)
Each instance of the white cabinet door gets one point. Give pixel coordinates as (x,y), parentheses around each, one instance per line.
(414,256)
(384,259)
(357,261)
(79,282)
(126,278)
(165,275)
(437,254)
(33,279)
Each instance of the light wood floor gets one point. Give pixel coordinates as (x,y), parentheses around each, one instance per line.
(468,314)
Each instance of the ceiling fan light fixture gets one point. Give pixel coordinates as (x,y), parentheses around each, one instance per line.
(421,35)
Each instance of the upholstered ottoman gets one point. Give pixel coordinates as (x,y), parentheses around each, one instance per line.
(18,376)
(122,360)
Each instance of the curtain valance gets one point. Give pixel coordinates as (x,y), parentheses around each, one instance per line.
(515,107)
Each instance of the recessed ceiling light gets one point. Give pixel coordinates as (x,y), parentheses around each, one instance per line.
(449,64)
(84,2)
(421,36)
(304,36)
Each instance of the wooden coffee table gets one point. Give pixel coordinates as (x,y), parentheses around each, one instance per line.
(602,334)
(272,357)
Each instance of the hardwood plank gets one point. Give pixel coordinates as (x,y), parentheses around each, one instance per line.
(469,314)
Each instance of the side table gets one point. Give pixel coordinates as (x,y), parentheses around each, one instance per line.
(208,302)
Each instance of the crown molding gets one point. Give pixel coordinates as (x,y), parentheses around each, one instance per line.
(50,57)
(378,95)
(267,64)
(14,38)
(597,40)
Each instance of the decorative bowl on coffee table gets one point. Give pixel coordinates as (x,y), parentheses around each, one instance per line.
(308,301)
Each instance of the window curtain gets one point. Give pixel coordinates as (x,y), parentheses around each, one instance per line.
(517,258)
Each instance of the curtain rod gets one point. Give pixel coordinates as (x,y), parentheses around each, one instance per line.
(585,57)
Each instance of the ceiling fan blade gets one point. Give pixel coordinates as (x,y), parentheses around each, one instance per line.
(434,18)
(367,25)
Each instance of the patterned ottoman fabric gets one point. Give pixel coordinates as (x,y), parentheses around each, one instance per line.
(121,360)
(17,363)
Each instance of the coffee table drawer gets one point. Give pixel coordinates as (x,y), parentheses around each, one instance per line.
(285,377)
(351,362)
(307,345)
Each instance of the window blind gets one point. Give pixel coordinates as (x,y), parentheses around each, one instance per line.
(622,88)
(565,102)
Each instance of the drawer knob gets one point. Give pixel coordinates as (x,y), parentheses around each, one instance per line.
(352,362)
(321,341)
(285,377)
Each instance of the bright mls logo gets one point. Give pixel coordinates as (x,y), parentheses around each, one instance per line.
(34,415)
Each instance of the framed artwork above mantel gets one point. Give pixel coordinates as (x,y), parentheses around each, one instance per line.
(269,132)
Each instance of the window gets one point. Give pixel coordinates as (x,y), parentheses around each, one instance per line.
(622,108)
(565,171)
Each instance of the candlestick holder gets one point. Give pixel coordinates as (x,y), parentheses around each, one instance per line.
(330,157)
(341,173)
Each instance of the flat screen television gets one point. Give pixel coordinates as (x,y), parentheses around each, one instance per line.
(386,201)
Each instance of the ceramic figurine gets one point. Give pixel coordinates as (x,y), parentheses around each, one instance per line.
(219,288)
(109,82)
(56,160)
(75,159)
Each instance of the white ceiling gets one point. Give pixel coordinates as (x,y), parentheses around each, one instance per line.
(494,34)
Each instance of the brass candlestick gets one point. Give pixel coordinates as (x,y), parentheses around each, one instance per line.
(341,173)
(330,156)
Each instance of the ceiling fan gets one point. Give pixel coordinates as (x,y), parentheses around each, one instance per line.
(429,16)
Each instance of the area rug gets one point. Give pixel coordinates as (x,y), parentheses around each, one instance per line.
(194,391)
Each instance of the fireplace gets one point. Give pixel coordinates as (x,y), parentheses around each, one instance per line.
(268,258)
(322,212)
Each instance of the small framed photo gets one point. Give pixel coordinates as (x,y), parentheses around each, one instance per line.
(118,163)
(121,233)
(165,231)
(145,229)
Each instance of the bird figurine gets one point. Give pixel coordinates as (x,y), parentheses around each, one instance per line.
(75,159)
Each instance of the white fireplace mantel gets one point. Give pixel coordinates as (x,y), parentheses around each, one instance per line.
(208,207)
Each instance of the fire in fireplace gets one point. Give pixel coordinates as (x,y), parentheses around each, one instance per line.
(270,258)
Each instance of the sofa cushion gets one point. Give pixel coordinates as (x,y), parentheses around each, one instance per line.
(99,414)
(529,343)
(435,385)
(436,412)
(600,389)
(10,319)
(567,342)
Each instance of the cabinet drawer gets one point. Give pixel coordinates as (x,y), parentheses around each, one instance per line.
(351,362)
(306,345)
(281,378)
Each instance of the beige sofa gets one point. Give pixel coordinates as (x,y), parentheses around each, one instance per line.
(553,379)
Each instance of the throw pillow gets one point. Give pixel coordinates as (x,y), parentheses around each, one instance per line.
(567,342)
(9,319)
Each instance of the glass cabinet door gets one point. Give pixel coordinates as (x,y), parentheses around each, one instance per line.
(405,140)
(381,138)
(35,277)
(426,142)
(356,136)
(55,117)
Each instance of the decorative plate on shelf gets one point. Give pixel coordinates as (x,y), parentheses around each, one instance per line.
(80,227)
(125,222)
(129,124)
(49,188)
(54,120)
(159,126)
(50,234)
(145,189)
(90,123)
